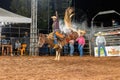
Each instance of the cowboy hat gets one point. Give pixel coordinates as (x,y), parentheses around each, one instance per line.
(54,17)
(99,32)
(81,32)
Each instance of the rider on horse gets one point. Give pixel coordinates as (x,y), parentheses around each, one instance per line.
(55,27)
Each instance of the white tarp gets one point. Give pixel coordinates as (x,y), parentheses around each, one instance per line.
(7,16)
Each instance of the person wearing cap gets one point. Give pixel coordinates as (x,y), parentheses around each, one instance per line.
(101,42)
(81,42)
(55,27)
(114,23)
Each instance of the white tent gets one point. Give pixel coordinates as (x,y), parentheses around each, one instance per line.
(7,16)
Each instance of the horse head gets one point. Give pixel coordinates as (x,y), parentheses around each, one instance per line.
(41,39)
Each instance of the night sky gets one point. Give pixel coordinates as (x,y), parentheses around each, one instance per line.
(90,7)
(5,4)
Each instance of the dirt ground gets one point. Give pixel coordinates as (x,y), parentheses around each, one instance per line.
(68,68)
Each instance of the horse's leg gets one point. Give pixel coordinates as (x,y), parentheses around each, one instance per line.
(56,55)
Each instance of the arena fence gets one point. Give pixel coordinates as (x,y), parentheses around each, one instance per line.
(13,32)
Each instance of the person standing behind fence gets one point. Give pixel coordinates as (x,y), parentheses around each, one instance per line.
(81,42)
(71,45)
(17,47)
(4,51)
(101,42)
(65,50)
(26,40)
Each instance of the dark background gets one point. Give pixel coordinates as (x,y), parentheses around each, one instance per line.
(88,7)
(5,4)
(91,7)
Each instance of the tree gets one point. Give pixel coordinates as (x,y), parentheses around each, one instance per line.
(22,7)
(46,9)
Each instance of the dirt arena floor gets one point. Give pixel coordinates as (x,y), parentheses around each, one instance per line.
(68,68)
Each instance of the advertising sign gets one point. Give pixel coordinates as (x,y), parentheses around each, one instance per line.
(111,51)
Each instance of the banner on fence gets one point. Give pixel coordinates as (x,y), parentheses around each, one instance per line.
(111,51)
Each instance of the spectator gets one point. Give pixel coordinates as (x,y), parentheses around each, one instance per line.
(4,51)
(101,42)
(114,23)
(71,45)
(4,41)
(44,50)
(81,42)
(17,47)
(52,51)
(65,49)
(26,40)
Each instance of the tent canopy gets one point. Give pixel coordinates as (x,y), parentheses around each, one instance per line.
(7,16)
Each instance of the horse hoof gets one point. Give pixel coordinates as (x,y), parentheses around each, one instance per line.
(55,59)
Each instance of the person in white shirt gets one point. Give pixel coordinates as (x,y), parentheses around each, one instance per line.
(101,42)
(17,46)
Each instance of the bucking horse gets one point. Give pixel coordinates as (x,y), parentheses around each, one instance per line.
(63,39)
